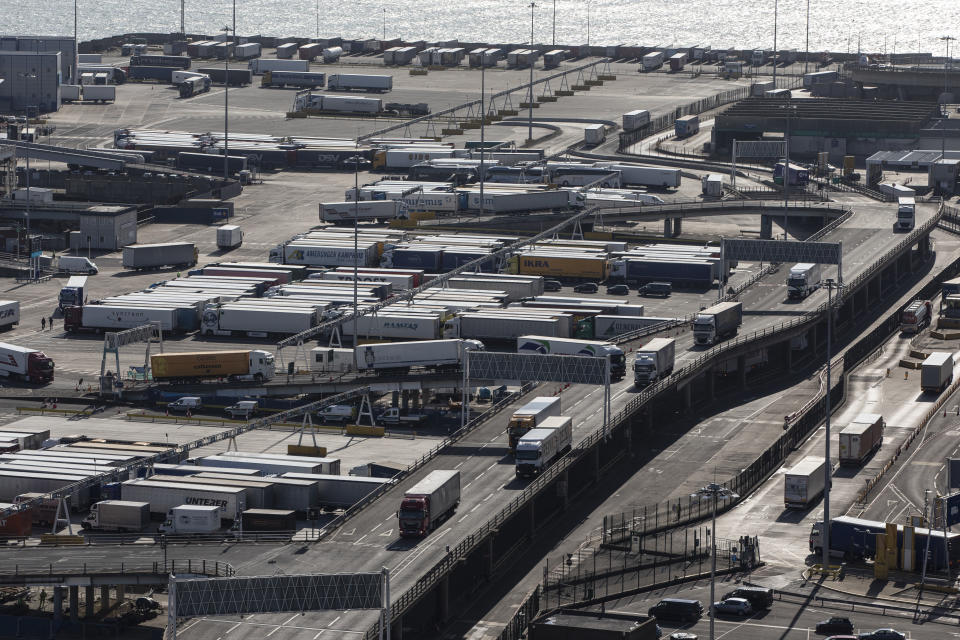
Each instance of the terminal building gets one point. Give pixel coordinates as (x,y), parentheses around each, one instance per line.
(29,82)
(38,44)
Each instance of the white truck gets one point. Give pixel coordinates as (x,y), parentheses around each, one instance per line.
(117,515)
(99,93)
(337,413)
(652,60)
(392,355)
(654,361)
(539,447)
(429,502)
(804,279)
(594,134)
(570,347)
(9,314)
(261,65)
(936,372)
(25,363)
(638,175)
(244,409)
(191,519)
(860,438)
(351,81)
(803,484)
(530,416)
(73,293)
(229,236)
(380,211)
(393,416)
(633,120)
(717,322)
(906,212)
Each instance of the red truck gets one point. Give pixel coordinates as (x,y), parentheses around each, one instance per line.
(426,504)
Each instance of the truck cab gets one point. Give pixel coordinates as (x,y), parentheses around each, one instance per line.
(906,213)
(72,294)
(705,329)
(414,516)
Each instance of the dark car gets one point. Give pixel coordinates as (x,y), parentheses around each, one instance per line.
(883,634)
(552,285)
(618,290)
(656,289)
(837,624)
(759,597)
(586,287)
(677,609)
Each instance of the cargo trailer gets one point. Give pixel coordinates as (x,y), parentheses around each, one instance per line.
(299,79)
(803,484)
(234,366)
(569,347)
(326,465)
(538,448)
(287,50)
(154,256)
(233,77)
(633,120)
(508,327)
(340,492)
(529,416)
(610,326)
(560,265)
(638,175)
(262,65)
(392,355)
(654,361)
(235,318)
(594,134)
(860,438)
(229,236)
(428,503)
(164,496)
(936,372)
(855,538)
(259,491)
(380,211)
(288,493)
(718,322)
(686,126)
(268,520)
(97,93)
(396,325)
(192,519)
(96,317)
(359,82)
(264,465)
(652,61)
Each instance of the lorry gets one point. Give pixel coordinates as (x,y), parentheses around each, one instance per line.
(711,185)
(301,79)
(340,492)
(193,86)
(570,347)
(76,264)
(380,211)
(43,511)
(860,438)
(9,314)
(803,279)
(654,361)
(797,175)
(336,413)
(98,317)
(303,252)
(936,372)
(25,363)
(154,256)
(229,236)
(395,417)
(652,60)
(594,134)
(262,65)
(633,120)
(804,483)
(193,519)
(117,515)
(428,503)
(99,93)
(529,416)
(906,212)
(916,316)
(362,82)
(236,366)
(393,355)
(268,520)
(256,321)
(718,322)
(164,496)
(539,447)
(232,77)
(73,293)
(855,538)
(686,126)
(639,175)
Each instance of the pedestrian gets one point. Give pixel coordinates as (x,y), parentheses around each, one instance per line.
(51,322)
(43,324)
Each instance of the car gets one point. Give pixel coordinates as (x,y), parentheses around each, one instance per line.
(656,289)
(618,290)
(837,624)
(677,609)
(586,287)
(682,635)
(552,285)
(735,606)
(759,597)
(842,637)
(882,634)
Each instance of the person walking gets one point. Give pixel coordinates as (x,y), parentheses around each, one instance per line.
(51,322)
(43,324)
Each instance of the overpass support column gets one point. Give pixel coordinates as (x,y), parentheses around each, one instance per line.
(489,557)
(687,396)
(667,228)
(924,247)
(677,226)
(88,598)
(396,628)
(443,608)
(789,357)
(120,594)
(104,598)
(405,401)
(74,603)
(416,400)
(742,371)
(533,520)
(711,383)
(58,604)
(766,227)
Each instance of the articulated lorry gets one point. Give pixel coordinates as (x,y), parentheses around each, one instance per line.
(393,355)
(916,316)
(72,294)
(654,361)
(117,515)
(154,256)
(529,416)
(936,372)
(538,448)
(717,322)
(25,363)
(428,503)
(803,280)
(860,438)
(855,538)
(236,366)
(804,483)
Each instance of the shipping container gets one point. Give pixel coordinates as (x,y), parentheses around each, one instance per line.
(803,484)
(860,438)
(341,492)
(360,82)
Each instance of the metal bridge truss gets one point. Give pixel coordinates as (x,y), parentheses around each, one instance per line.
(198,597)
(755,149)
(114,340)
(783,251)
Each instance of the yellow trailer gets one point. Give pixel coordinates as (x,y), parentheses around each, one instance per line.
(560,266)
(196,365)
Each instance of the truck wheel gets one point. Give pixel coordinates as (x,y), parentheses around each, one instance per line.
(258,378)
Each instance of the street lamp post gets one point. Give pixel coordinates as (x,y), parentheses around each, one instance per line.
(786,169)
(530,105)
(714,492)
(830,284)
(943,137)
(483,125)
(554,40)
(806,56)
(775,8)
(226,105)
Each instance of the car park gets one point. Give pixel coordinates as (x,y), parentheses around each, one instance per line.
(552,285)
(734,606)
(586,287)
(836,624)
(656,289)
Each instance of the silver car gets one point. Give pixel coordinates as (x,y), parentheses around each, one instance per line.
(735,606)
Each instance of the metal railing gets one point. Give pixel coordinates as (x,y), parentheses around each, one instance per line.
(186,565)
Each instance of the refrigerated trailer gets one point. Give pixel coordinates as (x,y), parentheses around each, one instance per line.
(164,496)
(860,438)
(803,484)
(529,416)
(429,502)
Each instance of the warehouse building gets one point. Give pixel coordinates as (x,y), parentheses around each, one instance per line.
(67,47)
(838,126)
(105,227)
(29,82)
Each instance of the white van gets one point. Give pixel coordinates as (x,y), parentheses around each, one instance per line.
(186,403)
(243,409)
(336,413)
(77,264)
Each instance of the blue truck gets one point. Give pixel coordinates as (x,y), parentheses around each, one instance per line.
(855,538)
(681,271)
(798,176)
(430,260)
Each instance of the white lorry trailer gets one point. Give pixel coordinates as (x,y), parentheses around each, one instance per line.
(638,175)
(191,519)
(117,515)
(429,502)
(538,448)
(571,347)
(164,496)
(10,312)
(262,65)
(530,416)
(906,212)
(341,492)
(803,484)
(25,363)
(936,372)
(235,318)
(717,322)
(654,361)
(380,211)
(359,82)
(393,355)
(804,279)
(860,438)
(229,236)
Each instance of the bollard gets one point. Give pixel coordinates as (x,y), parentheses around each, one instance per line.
(888,372)
(906,374)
